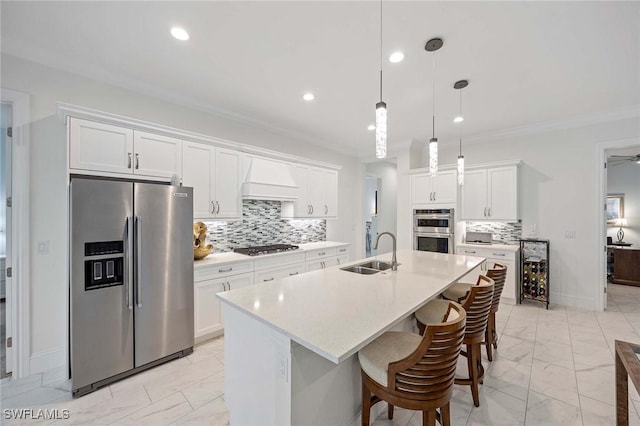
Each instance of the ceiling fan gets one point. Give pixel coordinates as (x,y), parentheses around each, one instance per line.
(616,160)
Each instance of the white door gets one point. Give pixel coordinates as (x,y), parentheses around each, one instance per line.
(155,155)
(421,192)
(503,193)
(444,187)
(474,195)
(198,162)
(314,192)
(228,183)
(100,147)
(330,192)
(6,224)
(207,312)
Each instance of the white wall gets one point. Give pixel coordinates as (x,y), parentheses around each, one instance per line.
(558,193)
(625,179)
(387,201)
(48,189)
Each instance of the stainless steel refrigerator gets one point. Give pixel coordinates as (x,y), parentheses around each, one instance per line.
(131,295)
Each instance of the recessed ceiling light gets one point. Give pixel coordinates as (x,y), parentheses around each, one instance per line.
(458,119)
(371,127)
(180,33)
(396,57)
(308,96)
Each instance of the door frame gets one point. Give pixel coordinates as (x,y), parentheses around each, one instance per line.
(601,159)
(20,244)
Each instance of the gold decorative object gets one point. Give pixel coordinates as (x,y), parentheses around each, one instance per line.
(200,248)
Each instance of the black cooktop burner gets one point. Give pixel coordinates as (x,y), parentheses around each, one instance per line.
(258,250)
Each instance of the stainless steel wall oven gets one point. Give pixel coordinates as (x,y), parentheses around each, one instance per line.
(433,230)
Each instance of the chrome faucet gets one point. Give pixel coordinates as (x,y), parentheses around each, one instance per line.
(394,261)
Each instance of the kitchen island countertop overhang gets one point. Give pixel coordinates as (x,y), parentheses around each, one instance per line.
(335,313)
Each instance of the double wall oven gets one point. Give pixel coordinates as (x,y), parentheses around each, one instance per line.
(433,230)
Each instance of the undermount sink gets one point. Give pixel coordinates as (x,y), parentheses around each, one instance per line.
(360,270)
(368,268)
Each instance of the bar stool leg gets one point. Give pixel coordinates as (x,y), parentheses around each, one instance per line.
(366,405)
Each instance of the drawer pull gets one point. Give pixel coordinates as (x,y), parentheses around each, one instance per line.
(470,251)
(225,270)
(322,254)
(268,279)
(343,250)
(498,254)
(293,273)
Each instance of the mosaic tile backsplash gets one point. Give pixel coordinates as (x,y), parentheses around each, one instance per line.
(261,225)
(507,233)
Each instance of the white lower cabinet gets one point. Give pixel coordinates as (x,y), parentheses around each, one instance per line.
(509,258)
(208,320)
(271,274)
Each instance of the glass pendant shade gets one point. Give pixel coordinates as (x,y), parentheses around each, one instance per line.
(381,130)
(433,156)
(461,170)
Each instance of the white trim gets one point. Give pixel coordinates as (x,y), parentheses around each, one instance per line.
(68,110)
(20,232)
(601,158)
(48,360)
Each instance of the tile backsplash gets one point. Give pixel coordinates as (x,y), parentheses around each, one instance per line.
(506,233)
(261,225)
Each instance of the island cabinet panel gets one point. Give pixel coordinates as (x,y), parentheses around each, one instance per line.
(507,257)
(215,175)
(438,189)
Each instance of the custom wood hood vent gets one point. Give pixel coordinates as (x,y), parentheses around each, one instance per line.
(268,179)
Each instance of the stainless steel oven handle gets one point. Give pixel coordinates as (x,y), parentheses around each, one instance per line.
(138,255)
(127,263)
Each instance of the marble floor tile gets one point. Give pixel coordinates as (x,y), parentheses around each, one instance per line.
(163,412)
(598,384)
(559,354)
(204,391)
(401,417)
(543,410)
(515,349)
(10,388)
(213,413)
(554,381)
(497,408)
(509,377)
(161,387)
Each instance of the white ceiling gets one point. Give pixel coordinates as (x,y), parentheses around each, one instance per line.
(527,62)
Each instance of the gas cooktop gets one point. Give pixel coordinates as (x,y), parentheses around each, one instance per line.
(258,250)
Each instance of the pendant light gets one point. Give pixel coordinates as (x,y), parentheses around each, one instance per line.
(431,46)
(381,110)
(459,85)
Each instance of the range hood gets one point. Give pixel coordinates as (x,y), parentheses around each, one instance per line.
(268,179)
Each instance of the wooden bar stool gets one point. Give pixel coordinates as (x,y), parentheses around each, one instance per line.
(458,292)
(413,371)
(477,305)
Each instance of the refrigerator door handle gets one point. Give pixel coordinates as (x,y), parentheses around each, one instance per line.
(138,254)
(127,264)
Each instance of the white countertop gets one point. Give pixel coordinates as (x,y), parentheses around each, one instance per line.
(231,257)
(335,313)
(509,247)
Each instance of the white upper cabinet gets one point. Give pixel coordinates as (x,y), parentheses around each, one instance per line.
(156,155)
(438,189)
(490,194)
(99,147)
(317,193)
(215,175)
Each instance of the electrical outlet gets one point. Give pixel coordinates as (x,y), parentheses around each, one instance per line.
(569,234)
(43,247)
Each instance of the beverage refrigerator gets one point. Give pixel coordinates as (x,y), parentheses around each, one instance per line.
(131,278)
(534,270)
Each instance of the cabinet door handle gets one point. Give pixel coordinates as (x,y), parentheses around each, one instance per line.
(498,254)
(485,212)
(434,195)
(137,161)
(326,209)
(267,280)
(129,162)
(293,273)
(311,208)
(323,265)
(217,207)
(489,211)
(308,208)
(228,286)
(213,207)
(226,269)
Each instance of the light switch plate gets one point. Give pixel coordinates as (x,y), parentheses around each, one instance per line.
(569,234)
(43,247)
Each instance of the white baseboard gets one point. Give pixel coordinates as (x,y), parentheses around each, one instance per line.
(50,359)
(586,303)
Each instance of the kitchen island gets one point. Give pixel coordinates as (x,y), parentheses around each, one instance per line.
(291,345)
